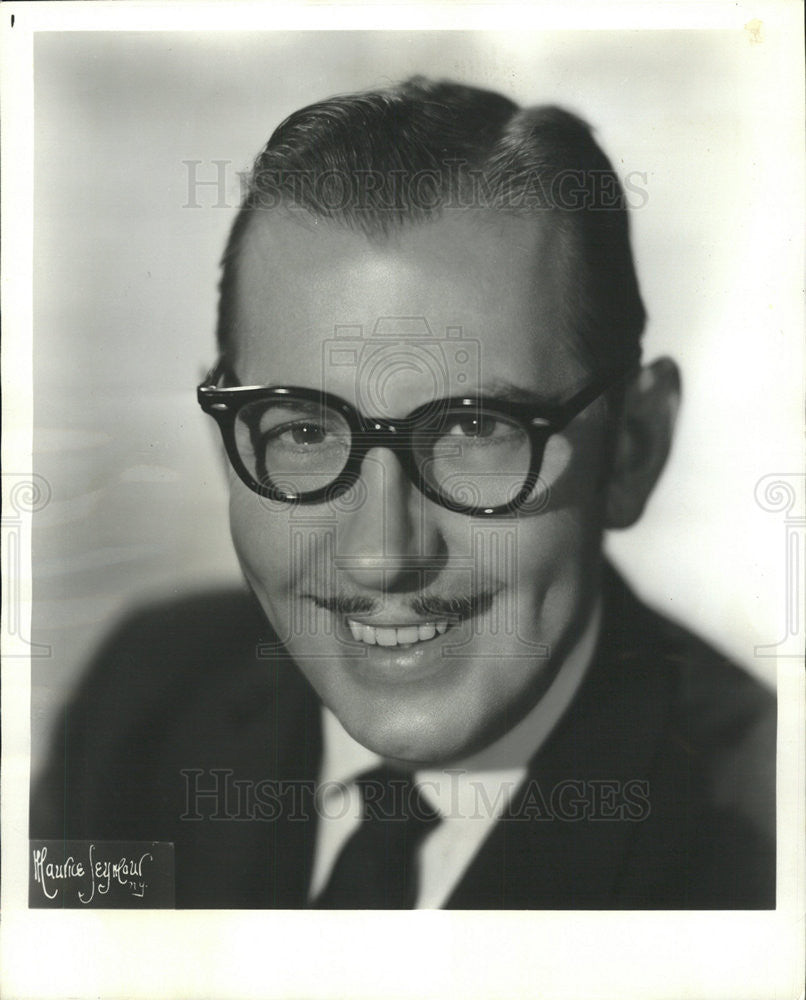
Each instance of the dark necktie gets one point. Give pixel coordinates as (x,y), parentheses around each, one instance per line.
(377,867)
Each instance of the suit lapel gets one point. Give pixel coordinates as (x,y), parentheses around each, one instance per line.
(262,855)
(564,840)
(297,721)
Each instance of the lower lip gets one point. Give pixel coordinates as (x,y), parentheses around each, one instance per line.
(399,664)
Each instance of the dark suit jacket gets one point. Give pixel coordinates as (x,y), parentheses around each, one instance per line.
(193,697)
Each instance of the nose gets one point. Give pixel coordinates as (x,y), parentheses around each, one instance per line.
(389,541)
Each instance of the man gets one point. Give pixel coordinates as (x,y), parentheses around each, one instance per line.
(437,694)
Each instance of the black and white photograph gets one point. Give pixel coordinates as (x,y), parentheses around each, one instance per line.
(404,501)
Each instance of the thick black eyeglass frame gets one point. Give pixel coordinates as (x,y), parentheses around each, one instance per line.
(539,421)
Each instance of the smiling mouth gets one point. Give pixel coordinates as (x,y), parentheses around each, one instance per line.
(396,635)
(437,615)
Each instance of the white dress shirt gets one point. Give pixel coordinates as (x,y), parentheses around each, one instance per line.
(470,795)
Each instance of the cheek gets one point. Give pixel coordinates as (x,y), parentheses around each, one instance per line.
(549,566)
(263,538)
(284,551)
(574,480)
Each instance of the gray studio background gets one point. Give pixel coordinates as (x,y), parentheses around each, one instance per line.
(124,300)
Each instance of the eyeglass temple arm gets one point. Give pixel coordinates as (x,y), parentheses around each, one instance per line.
(213,377)
(581,400)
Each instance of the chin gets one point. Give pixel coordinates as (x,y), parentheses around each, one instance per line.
(420,741)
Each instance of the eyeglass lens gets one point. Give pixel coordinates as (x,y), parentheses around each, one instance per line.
(474,457)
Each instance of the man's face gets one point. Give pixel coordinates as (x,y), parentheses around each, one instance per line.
(460,305)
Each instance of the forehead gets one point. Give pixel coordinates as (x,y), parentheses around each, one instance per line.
(310,292)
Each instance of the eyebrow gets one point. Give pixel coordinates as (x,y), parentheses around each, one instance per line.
(506,391)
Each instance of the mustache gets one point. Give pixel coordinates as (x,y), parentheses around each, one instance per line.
(426,605)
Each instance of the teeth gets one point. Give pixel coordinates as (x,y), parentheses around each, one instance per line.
(406,635)
(386,636)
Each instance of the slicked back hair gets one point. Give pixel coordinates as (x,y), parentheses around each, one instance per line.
(384,159)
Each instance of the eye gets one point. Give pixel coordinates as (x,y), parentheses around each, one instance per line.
(480,425)
(307,433)
(306,437)
(300,427)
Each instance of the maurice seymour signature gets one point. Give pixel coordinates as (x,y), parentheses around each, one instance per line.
(102,875)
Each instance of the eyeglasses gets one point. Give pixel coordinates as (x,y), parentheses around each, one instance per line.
(471,454)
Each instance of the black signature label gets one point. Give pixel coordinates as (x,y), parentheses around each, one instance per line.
(118,874)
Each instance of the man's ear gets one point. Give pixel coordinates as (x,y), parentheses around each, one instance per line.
(643,440)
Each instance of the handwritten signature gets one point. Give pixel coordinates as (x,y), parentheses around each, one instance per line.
(103,874)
